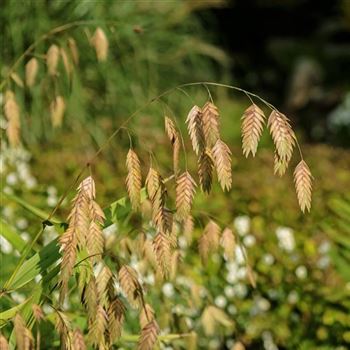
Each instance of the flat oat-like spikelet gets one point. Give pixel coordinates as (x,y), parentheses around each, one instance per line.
(90,298)
(253,121)
(116,315)
(280,165)
(303,185)
(205,170)
(24,338)
(195,129)
(78,340)
(103,280)
(130,285)
(149,336)
(64,329)
(209,240)
(95,240)
(52,57)
(57,109)
(222,158)
(174,138)
(31,69)
(66,62)
(282,134)
(73,50)
(96,331)
(185,191)
(228,242)
(133,179)
(11,111)
(100,43)
(210,123)
(162,251)
(37,312)
(4,345)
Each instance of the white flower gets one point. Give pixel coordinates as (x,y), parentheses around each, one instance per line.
(263,304)
(249,240)
(239,255)
(285,238)
(220,301)
(11,179)
(241,290)
(51,201)
(52,190)
(8,190)
(268,259)
(149,279)
(324,247)
(25,236)
(168,289)
(293,297)
(232,310)
(17,297)
(231,277)
(214,344)
(242,273)
(242,224)
(5,245)
(229,291)
(182,242)
(7,212)
(22,223)
(110,230)
(2,165)
(30,182)
(301,272)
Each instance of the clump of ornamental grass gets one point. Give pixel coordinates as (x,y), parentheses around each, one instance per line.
(105,292)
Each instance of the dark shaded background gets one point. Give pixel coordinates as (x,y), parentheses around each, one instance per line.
(297,54)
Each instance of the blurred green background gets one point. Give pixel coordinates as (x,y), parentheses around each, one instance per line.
(294,54)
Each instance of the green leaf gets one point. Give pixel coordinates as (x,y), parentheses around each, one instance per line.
(11,235)
(34,210)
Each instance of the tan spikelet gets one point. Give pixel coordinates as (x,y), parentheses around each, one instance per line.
(96,331)
(149,336)
(222,159)
(228,242)
(78,340)
(188,226)
(24,337)
(280,165)
(153,182)
(32,68)
(15,77)
(130,285)
(57,109)
(4,345)
(90,298)
(95,239)
(209,240)
(210,123)
(52,57)
(175,259)
(12,114)
(175,141)
(195,129)
(303,185)
(185,191)
(64,329)
(116,315)
(100,43)
(253,121)
(282,134)
(146,315)
(37,312)
(162,251)
(133,179)
(205,170)
(103,280)
(66,62)
(73,50)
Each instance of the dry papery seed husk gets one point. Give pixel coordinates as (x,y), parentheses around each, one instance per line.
(228,242)
(130,285)
(282,134)
(195,129)
(52,57)
(100,42)
(209,240)
(11,111)
(162,251)
(174,138)
(57,109)
(253,121)
(210,123)
(222,159)
(32,68)
(24,338)
(73,50)
(149,336)
(205,170)
(133,179)
(303,185)
(116,315)
(78,340)
(146,315)
(4,345)
(185,191)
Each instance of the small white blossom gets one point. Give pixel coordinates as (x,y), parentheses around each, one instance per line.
(268,259)
(232,310)
(25,236)
(285,238)
(242,224)
(22,223)
(182,242)
(249,240)
(301,272)
(5,245)
(17,297)
(168,289)
(229,291)
(51,201)
(11,179)
(293,297)
(220,301)
(110,230)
